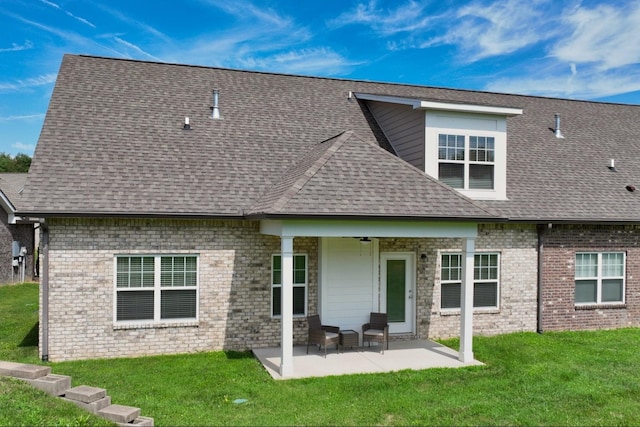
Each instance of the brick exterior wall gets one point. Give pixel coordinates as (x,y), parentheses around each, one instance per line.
(235,285)
(561,242)
(517,246)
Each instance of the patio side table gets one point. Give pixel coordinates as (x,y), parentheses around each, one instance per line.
(349,338)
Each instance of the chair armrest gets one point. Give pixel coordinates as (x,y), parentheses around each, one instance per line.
(316,335)
(366,327)
(329,328)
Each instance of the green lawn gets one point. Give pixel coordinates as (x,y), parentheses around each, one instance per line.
(557,379)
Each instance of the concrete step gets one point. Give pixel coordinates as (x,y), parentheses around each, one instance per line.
(53,384)
(22,370)
(93,407)
(138,422)
(85,393)
(120,413)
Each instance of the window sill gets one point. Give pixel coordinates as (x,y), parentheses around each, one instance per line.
(295,317)
(619,305)
(456,311)
(156,325)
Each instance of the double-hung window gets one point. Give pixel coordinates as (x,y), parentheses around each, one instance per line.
(486,279)
(299,285)
(599,277)
(466,161)
(156,288)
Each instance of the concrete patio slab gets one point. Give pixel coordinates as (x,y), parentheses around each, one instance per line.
(414,354)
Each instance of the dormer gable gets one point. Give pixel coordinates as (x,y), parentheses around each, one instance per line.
(463,145)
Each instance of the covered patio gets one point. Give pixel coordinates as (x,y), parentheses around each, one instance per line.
(401,355)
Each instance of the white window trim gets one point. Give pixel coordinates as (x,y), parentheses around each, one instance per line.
(498,281)
(599,279)
(295,285)
(467,124)
(157,292)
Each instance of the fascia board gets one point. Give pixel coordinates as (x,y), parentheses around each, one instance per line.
(442,106)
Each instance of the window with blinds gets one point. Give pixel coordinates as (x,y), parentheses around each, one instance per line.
(467,161)
(156,288)
(299,285)
(599,278)
(485,280)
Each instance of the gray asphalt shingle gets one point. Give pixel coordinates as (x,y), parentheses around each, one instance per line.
(113,143)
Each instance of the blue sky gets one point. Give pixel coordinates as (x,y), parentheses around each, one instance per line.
(569,49)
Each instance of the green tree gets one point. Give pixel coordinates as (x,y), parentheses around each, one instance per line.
(19,163)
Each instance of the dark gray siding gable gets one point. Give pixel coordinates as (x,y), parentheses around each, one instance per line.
(404,128)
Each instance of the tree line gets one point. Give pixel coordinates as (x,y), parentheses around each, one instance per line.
(19,163)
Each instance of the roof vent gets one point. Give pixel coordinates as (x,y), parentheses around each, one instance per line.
(186,125)
(557,128)
(630,188)
(216,111)
(612,165)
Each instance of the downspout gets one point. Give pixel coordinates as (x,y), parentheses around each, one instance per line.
(44,282)
(540,229)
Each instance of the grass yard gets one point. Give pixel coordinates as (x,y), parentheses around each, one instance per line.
(557,379)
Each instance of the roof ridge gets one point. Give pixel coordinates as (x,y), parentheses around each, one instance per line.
(355,80)
(304,177)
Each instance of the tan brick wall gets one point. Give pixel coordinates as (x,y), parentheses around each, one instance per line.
(561,242)
(234,287)
(517,310)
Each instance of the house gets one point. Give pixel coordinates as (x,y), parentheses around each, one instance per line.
(17,235)
(192,208)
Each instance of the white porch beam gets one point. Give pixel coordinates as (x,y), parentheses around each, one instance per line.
(368,228)
(286,346)
(466,302)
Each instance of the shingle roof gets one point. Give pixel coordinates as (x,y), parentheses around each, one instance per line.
(113,143)
(346,176)
(11,185)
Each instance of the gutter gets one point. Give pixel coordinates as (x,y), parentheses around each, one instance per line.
(44,283)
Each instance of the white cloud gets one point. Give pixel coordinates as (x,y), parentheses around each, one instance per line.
(17,47)
(304,61)
(78,18)
(605,35)
(28,83)
(482,30)
(57,6)
(406,18)
(572,84)
(24,148)
(24,117)
(135,23)
(48,3)
(135,48)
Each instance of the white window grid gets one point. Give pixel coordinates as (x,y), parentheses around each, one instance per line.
(592,267)
(157,286)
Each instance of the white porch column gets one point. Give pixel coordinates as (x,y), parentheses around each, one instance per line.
(286,341)
(466,302)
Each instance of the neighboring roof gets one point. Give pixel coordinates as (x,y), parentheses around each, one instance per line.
(113,144)
(11,185)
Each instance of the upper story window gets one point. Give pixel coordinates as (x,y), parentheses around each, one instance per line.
(468,152)
(461,144)
(599,278)
(466,161)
